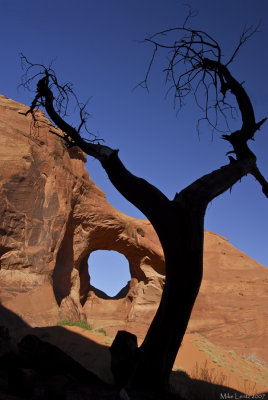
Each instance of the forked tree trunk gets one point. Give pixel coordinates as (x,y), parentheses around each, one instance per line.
(180,227)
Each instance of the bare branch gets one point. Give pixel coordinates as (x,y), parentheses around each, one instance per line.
(144,83)
(44,80)
(247,33)
(260,178)
(195,66)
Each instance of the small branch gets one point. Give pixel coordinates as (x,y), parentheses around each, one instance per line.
(144,83)
(260,178)
(246,35)
(44,79)
(228,82)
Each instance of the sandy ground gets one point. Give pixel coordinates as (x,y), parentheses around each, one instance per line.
(198,357)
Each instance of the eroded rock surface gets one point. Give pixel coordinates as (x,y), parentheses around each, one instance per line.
(231,308)
(53,216)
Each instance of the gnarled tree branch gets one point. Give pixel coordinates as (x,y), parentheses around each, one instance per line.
(196,63)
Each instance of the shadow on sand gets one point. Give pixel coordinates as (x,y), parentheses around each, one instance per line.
(83,354)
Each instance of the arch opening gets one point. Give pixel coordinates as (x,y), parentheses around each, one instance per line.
(109,273)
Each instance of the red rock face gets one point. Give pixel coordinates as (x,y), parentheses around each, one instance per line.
(53,216)
(231,308)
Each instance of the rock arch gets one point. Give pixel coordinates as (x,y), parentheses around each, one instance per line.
(146,266)
(96,225)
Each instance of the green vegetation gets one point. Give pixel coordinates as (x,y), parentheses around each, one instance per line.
(101,330)
(81,324)
(84,325)
(232,353)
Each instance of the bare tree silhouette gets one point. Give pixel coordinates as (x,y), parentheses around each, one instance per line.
(195,66)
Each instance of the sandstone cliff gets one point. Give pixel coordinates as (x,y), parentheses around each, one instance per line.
(53,216)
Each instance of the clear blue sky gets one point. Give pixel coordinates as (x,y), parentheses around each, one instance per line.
(96,46)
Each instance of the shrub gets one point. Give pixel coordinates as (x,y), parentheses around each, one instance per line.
(101,330)
(81,324)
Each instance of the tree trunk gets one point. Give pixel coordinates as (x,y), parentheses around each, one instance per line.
(184,268)
(180,228)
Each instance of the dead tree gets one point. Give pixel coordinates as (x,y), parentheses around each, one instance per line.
(195,62)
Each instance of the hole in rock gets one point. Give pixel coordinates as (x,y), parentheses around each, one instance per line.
(109,273)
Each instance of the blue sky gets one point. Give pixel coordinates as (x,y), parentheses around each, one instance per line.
(96,45)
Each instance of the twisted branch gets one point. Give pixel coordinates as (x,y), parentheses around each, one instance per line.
(47,87)
(196,66)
